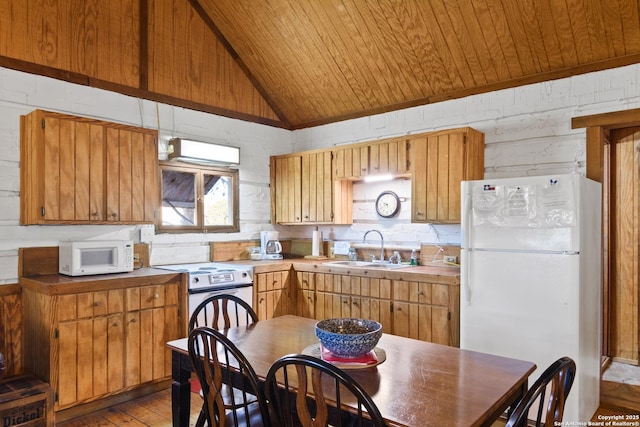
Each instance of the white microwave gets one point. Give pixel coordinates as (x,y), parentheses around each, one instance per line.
(95,257)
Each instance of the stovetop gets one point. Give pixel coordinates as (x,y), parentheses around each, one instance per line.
(213,274)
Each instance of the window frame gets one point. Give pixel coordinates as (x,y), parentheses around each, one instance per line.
(199,170)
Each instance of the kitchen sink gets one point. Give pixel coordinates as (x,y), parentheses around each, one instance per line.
(367,264)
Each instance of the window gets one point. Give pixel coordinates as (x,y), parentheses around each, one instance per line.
(198,198)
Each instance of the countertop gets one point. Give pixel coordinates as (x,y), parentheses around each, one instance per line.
(52,284)
(435,274)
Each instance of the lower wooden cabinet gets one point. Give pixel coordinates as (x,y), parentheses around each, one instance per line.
(273,294)
(88,345)
(339,295)
(415,309)
(305,299)
(423,311)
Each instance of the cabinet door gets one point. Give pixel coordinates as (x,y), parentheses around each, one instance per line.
(317,187)
(351,162)
(70,149)
(389,157)
(437,175)
(131,176)
(440,162)
(421,311)
(305,294)
(328,301)
(286,190)
(273,295)
(151,320)
(375,301)
(303,190)
(379,158)
(90,363)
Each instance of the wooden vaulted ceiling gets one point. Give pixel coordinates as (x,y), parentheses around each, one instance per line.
(318,61)
(302,63)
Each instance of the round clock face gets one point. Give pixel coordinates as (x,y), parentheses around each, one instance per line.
(387,204)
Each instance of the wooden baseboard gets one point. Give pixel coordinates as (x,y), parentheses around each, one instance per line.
(88,408)
(615,395)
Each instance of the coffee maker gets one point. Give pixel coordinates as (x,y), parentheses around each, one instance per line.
(270,247)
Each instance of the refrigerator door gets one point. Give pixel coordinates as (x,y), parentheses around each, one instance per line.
(507,310)
(528,306)
(542,213)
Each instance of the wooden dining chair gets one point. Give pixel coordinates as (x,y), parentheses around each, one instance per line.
(310,392)
(557,379)
(222,311)
(218,362)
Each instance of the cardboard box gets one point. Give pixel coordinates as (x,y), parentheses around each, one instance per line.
(25,401)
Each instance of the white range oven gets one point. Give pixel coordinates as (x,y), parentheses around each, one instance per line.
(209,278)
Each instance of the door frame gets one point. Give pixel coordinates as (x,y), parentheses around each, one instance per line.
(600,156)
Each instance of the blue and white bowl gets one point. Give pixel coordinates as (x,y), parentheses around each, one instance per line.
(348,337)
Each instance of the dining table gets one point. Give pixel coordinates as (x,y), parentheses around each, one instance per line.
(416,383)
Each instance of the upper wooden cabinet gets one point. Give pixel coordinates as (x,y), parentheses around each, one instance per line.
(441,160)
(384,157)
(303,190)
(77,170)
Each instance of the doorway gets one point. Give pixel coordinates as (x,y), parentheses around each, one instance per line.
(613,158)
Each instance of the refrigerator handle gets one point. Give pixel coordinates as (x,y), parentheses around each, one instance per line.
(466,215)
(465,257)
(465,260)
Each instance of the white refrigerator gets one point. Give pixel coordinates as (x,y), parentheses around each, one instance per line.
(531,276)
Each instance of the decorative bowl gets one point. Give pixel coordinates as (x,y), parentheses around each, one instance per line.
(348,337)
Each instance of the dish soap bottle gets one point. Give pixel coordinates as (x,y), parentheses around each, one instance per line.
(414,258)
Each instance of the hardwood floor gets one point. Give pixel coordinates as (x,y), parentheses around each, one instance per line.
(153,410)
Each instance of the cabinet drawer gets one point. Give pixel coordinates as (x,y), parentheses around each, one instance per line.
(89,304)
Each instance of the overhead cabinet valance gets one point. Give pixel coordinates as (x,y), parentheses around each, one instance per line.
(76,170)
(375,158)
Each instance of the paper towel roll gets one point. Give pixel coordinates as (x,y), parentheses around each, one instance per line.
(316,241)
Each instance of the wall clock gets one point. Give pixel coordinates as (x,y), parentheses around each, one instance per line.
(387,204)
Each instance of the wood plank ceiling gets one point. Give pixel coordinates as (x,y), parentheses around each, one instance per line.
(321,61)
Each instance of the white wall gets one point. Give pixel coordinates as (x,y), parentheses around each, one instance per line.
(21,93)
(527,130)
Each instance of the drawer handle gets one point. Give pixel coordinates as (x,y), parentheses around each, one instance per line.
(96,303)
(156,296)
(134,320)
(116,324)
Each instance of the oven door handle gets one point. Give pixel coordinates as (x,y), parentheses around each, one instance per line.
(219,292)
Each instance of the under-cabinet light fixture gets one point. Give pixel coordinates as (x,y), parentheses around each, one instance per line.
(187,149)
(377,178)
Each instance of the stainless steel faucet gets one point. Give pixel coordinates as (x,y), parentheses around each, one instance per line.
(381,242)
